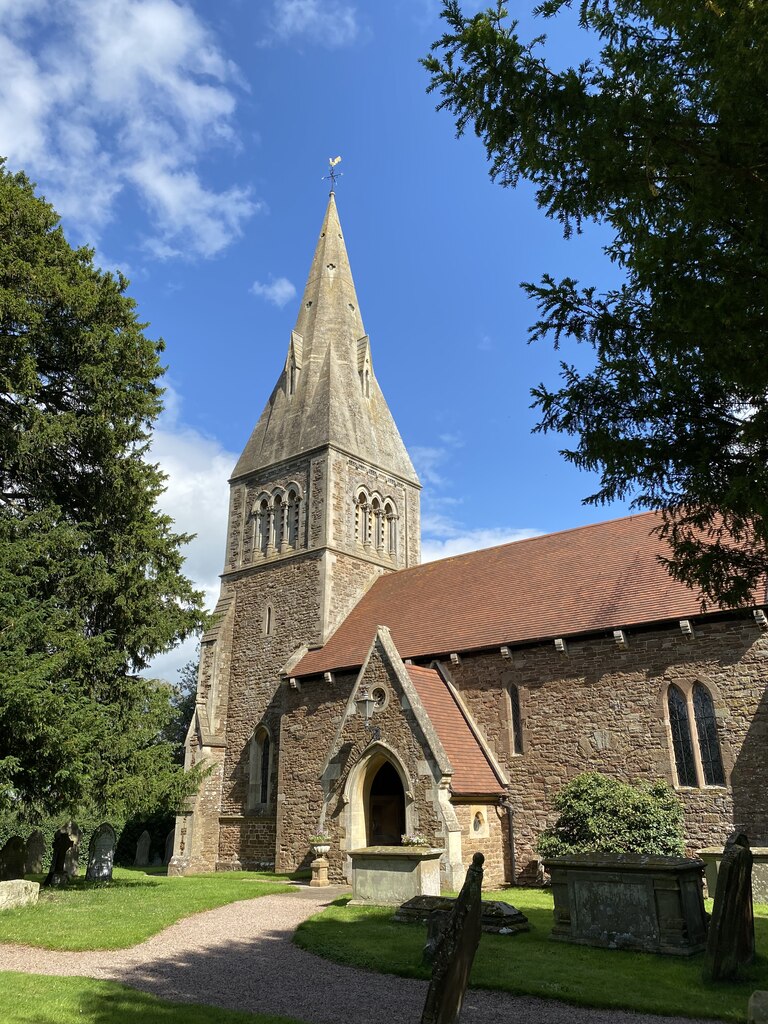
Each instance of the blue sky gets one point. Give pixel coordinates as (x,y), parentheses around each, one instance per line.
(187,141)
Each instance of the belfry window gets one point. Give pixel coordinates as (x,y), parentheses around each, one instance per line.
(264,525)
(698,761)
(390,525)
(293,519)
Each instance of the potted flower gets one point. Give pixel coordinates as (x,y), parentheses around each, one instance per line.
(320,843)
(413,840)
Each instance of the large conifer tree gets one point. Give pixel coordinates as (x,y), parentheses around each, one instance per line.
(91,586)
(662,137)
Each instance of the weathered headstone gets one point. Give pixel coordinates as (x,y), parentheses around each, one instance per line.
(72,856)
(455,951)
(35,857)
(12,857)
(142,850)
(757,1010)
(18,893)
(731,936)
(169,841)
(101,854)
(65,857)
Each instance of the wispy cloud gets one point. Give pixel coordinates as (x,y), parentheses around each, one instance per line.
(102,96)
(330,23)
(279,291)
(443,532)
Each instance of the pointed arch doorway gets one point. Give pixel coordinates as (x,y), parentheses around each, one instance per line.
(385,805)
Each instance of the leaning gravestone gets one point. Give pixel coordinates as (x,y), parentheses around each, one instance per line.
(142,850)
(35,856)
(731,936)
(101,854)
(169,840)
(12,857)
(66,849)
(454,951)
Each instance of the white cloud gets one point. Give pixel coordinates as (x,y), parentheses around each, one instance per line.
(279,291)
(460,541)
(198,470)
(99,96)
(330,23)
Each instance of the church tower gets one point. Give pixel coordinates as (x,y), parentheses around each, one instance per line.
(323,500)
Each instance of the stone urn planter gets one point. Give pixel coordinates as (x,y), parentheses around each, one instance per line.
(321,849)
(320,845)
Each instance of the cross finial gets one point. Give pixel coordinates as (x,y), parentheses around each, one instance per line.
(333,174)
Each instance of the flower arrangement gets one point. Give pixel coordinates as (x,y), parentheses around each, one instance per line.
(320,839)
(413,840)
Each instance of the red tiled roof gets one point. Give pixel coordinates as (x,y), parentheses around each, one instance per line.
(472,772)
(589,579)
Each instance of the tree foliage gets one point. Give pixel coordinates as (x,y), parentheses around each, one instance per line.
(91,586)
(663,138)
(602,815)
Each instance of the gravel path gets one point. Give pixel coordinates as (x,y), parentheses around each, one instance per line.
(241,957)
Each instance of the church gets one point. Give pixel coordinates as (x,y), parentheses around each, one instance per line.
(346,689)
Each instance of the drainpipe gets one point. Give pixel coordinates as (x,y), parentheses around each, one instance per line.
(507,804)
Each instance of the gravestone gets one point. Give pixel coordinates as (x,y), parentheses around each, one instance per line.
(65,858)
(35,856)
(101,854)
(757,1010)
(12,858)
(18,893)
(142,850)
(455,950)
(497,917)
(731,936)
(169,841)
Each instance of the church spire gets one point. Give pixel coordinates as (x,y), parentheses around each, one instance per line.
(327,392)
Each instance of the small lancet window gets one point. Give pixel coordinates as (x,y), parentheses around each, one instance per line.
(277,521)
(361,519)
(367,383)
(292,379)
(259,769)
(517,722)
(269,620)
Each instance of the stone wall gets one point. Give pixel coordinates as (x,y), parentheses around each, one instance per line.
(602,708)
(491,839)
(247,841)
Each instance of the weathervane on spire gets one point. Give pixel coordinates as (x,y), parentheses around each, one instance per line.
(333,174)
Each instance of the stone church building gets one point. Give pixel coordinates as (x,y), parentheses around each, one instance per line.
(491,678)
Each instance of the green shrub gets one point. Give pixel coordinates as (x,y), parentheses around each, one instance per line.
(602,815)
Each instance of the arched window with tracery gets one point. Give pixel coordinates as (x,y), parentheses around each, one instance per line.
(681,737)
(706,730)
(259,769)
(698,760)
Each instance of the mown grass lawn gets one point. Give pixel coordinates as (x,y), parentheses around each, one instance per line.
(532,964)
(127,910)
(36,999)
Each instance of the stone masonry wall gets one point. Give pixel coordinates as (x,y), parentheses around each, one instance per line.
(292,589)
(491,840)
(599,707)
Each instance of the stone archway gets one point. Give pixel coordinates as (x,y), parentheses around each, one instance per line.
(392,797)
(385,806)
